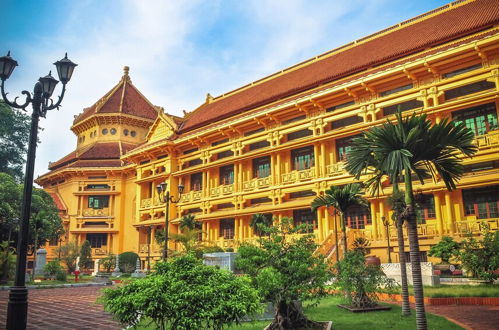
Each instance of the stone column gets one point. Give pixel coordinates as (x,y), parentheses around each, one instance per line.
(41,261)
(96,267)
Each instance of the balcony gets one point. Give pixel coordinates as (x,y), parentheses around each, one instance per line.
(427,230)
(256,183)
(486,141)
(96,213)
(155,249)
(476,226)
(191,196)
(336,169)
(296,176)
(102,251)
(221,190)
(145,203)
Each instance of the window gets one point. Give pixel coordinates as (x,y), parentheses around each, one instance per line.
(125,132)
(196,181)
(480,119)
(98,202)
(396,90)
(104,131)
(227,228)
(262,200)
(225,206)
(98,187)
(358,216)
(292,120)
(258,130)
(259,145)
(227,174)
(261,167)
(339,106)
(194,210)
(225,154)
(216,143)
(133,133)
(425,208)
(299,134)
(343,147)
(190,151)
(346,122)
(113,131)
(195,162)
(403,106)
(468,89)
(461,71)
(302,158)
(300,194)
(97,240)
(482,202)
(305,216)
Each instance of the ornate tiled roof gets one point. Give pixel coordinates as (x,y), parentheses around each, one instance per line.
(439,26)
(123,98)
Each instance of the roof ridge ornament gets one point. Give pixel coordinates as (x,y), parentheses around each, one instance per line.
(126,76)
(209,98)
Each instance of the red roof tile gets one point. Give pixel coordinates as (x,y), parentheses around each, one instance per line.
(58,201)
(411,38)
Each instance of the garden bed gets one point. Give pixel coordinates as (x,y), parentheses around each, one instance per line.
(366,309)
(487,301)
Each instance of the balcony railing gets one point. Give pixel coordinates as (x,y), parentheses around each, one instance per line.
(427,230)
(102,251)
(296,176)
(489,140)
(256,183)
(96,213)
(191,196)
(336,169)
(155,249)
(476,226)
(146,202)
(224,189)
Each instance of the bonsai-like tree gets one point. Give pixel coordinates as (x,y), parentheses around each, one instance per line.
(85,255)
(189,222)
(108,263)
(260,219)
(286,272)
(184,294)
(341,198)
(413,146)
(69,252)
(445,249)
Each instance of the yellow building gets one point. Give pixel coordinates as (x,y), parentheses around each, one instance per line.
(272,145)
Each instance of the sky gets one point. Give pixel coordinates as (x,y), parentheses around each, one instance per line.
(178,50)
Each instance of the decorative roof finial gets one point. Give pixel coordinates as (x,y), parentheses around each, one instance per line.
(125,70)
(209,98)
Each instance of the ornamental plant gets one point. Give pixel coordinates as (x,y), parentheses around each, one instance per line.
(184,294)
(69,252)
(52,268)
(361,281)
(128,261)
(445,249)
(85,256)
(286,272)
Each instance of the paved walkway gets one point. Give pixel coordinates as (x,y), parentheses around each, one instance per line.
(75,308)
(68,308)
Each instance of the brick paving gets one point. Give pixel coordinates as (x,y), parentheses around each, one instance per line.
(65,308)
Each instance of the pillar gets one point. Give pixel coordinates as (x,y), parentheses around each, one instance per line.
(323,161)
(448,210)
(320,226)
(438,213)
(241,227)
(317,162)
(374,219)
(278,168)
(382,214)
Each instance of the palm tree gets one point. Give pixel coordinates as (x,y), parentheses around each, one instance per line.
(413,146)
(259,220)
(189,221)
(341,198)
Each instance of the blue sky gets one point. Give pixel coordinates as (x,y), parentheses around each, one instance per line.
(177,50)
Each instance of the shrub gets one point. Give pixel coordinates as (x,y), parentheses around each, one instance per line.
(69,253)
(52,268)
(481,257)
(445,249)
(61,276)
(128,261)
(108,263)
(360,281)
(184,294)
(7,262)
(86,256)
(285,271)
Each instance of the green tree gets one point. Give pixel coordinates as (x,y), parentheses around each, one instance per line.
(184,294)
(413,146)
(445,249)
(286,272)
(340,199)
(10,205)
(128,261)
(85,256)
(258,220)
(69,253)
(189,222)
(14,133)
(108,263)
(7,262)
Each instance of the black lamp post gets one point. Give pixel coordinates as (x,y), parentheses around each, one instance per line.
(386,223)
(41,102)
(164,197)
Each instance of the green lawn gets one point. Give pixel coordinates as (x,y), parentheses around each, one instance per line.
(459,291)
(342,319)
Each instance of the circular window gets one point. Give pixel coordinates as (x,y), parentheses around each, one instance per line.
(104,131)
(125,131)
(113,131)
(133,133)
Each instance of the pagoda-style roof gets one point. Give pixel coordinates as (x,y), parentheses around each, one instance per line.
(124,98)
(450,22)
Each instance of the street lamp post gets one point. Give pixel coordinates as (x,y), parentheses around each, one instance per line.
(41,102)
(386,223)
(164,197)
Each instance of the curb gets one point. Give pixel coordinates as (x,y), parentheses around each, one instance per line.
(59,286)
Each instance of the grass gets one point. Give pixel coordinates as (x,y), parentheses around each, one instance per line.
(328,310)
(445,291)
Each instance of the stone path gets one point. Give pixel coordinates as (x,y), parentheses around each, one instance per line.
(68,308)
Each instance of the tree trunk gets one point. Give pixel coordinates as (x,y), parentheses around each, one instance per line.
(336,237)
(344,230)
(291,316)
(417,280)
(406,309)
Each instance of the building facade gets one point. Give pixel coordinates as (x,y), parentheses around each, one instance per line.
(273,145)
